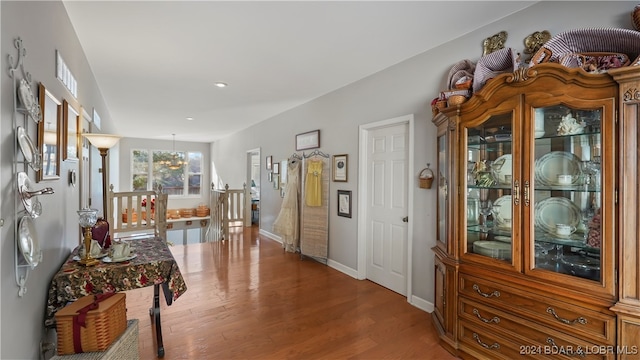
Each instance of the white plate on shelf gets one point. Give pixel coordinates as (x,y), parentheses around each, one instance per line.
(494,249)
(31,204)
(28,100)
(502,212)
(505,239)
(108,259)
(28,242)
(556,210)
(555,163)
(29,151)
(502,168)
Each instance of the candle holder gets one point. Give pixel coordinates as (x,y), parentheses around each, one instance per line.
(88,218)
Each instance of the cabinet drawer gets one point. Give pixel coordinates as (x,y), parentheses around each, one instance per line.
(529,338)
(485,344)
(591,325)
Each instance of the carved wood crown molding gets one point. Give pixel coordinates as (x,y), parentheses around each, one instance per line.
(521,74)
(631,95)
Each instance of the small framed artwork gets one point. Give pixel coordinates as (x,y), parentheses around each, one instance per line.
(269,162)
(283,171)
(270,176)
(96,119)
(308,140)
(276,168)
(276,181)
(340,167)
(49,131)
(70,132)
(344,203)
(282,191)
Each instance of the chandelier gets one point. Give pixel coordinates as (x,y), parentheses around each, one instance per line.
(176,161)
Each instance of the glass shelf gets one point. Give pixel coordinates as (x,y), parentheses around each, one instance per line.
(477,142)
(570,188)
(496,187)
(575,240)
(580,135)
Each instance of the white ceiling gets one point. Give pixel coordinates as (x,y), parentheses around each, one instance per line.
(156,61)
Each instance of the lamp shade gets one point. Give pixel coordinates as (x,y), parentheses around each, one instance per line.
(102,141)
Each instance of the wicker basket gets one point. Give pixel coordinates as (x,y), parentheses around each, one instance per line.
(615,40)
(125,347)
(426,178)
(104,323)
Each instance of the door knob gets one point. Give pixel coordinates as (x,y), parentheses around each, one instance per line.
(405,219)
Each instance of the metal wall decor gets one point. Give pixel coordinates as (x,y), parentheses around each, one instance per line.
(534,42)
(494,43)
(27,252)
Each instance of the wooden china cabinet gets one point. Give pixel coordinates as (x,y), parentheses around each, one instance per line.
(538,252)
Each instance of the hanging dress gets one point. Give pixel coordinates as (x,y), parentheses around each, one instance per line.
(287,223)
(313,183)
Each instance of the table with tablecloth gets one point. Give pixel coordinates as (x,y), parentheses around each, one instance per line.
(153,264)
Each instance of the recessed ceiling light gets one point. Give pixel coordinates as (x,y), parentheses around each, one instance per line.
(221,84)
(189,118)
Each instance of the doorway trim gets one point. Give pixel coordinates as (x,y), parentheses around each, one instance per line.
(247,181)
(363,157)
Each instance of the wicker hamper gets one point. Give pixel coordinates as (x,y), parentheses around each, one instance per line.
(106,319)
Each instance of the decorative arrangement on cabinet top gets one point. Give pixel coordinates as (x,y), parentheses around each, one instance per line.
(594,50)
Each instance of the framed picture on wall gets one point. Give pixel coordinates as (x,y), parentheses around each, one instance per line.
(344,203)
(269,162)
(70,132)
(308,140)
(340,168)
(276,168)
(49,130)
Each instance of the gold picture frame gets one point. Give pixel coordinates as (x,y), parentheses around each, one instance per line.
(49,135)
(70,117)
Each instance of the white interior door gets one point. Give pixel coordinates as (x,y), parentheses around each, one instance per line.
(387,206)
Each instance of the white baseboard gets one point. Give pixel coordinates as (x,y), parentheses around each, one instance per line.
(421,304)
(271,235)
(342,268)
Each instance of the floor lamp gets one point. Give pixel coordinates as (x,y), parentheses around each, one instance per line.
(103,142)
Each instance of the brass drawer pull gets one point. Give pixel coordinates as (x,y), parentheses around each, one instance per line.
(579,320)
(526,193)
(579,352)
(516,193)
(486,321)
(486,346)
(496,293)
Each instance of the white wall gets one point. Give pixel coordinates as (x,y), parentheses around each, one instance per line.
(43,28)
(406,88)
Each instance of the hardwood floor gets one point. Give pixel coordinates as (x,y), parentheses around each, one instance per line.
(248,299)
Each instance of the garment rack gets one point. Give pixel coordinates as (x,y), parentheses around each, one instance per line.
(314,220)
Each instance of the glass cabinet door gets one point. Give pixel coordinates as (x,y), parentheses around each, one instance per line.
(488,189)
(442,180)
(567,191)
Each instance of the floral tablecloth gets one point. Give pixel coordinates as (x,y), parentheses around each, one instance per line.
(153,264)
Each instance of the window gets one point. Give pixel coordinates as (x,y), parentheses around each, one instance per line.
(157,169)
